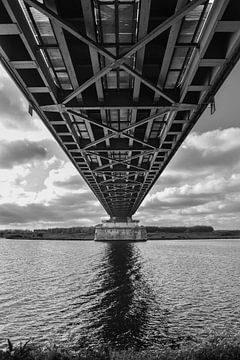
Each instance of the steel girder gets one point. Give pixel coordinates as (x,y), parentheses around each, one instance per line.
(119,84)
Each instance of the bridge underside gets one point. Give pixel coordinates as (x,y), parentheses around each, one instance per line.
(120,83)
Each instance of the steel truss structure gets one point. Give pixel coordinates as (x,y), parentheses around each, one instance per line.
(120,83)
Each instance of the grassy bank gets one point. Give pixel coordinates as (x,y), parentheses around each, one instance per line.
(212,349)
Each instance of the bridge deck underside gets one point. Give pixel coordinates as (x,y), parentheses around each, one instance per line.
(120,83)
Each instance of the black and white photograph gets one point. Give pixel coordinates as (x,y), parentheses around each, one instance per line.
(119,179)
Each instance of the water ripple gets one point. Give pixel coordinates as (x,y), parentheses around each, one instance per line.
(143,294)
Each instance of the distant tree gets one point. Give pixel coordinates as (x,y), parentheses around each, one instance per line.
(199,228)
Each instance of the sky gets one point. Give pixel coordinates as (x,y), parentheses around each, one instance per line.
(40,188)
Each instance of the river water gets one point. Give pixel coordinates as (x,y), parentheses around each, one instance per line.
(122,294)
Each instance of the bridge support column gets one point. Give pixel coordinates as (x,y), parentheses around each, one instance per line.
(120,229)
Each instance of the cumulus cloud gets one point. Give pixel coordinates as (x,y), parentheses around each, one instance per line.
(201,184)
(51,204)
(66,177)
(186,196)
(216,140)
(216,150)
(20,152)
(68,210)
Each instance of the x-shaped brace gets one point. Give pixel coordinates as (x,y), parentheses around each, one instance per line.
(117,133)
(116,62)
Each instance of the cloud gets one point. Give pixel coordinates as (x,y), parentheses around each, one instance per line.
(51,204)
(214,141)
(201,155)
(211,151)
(70,209)
(73,183)
(13,106)
(29,183)
(201,185)
(65,177)
(20,152)
(3,73)
(15,121)
(210,189)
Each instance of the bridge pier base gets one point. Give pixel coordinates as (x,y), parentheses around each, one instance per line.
(120,229)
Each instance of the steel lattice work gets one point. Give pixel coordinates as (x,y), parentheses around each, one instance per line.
(120,83)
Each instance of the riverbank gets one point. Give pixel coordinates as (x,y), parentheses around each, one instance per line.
(49,236)
(212,349)
(194,235)
(153,233)
(218,235)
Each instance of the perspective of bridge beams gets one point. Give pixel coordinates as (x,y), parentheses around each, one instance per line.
(120,83)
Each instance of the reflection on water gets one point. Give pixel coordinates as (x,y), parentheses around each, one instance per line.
(121,294)
(123,315)
(126,296)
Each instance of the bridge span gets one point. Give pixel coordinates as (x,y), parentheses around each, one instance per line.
(120,83)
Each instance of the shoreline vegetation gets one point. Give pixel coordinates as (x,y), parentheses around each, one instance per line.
(214,348)
(153,232)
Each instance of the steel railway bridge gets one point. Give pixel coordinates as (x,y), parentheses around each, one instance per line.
(119,83)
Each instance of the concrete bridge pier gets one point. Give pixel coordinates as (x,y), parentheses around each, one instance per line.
(120,229)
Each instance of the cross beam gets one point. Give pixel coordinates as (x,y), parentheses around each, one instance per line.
(116,62)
